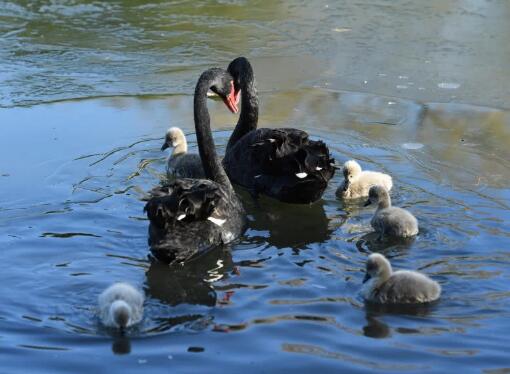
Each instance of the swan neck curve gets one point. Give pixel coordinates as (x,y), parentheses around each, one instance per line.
(385,271)
(181,147)
(384,202)
(249,115)
(206,147)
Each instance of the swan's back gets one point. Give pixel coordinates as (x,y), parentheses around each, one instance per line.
(406,287)
(190,216)
(120,305)
(185,165)
(395,221)
(281,163)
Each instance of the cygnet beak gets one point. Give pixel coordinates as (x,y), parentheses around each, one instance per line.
(346,185)
(367,277)
(367,203)
(164,146)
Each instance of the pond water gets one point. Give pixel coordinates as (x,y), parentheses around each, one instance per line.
(416,90)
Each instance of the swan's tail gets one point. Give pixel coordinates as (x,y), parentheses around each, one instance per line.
(121,313)
(318,161)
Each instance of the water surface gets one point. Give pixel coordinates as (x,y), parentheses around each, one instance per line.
(73,174)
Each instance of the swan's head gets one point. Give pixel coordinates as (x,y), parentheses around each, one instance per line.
(242,72)
(223,86)
(173,138)
(351,171)
(377,267)
(377,195)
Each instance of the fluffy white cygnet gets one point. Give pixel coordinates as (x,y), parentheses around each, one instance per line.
(390,220)
(120,306)
(357,182)
(383,286)
(180,163)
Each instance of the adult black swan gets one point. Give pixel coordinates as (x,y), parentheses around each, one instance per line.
(191,216)
(281,163)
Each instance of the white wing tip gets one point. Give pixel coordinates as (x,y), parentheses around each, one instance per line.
(318,168)
(181,217)
(301,175)
(217,221)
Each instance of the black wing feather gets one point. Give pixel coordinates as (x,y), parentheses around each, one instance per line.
(267,160)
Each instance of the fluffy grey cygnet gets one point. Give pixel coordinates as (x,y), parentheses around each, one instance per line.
(357,182)
(383,286)
(390,220)
(181,164)
(120,306)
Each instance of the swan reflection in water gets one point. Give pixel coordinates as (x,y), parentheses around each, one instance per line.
(375,328)
(121,345)
(121,339)
(286,225)
(191,284)
(372,243)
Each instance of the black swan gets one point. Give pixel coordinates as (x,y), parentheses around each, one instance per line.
(180,163)
(281,163)
(190,216)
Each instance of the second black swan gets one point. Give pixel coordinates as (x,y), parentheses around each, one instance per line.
(191,216)
(281,163)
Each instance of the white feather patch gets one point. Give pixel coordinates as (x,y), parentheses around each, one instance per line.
(318,168)
(228,237)
(181,217)
(301,175)
(257,176)
(271,140)
(217,221)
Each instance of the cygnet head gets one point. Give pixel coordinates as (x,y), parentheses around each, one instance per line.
(377,267)
(351,171)
(175,138)
(378,195)
(121,313)
(120,306)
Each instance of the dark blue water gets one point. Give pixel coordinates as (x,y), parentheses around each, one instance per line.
(285,297)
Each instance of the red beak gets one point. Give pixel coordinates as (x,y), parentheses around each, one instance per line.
(232,99)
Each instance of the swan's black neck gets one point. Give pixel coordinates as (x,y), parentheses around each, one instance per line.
(212,166)
(242,71)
